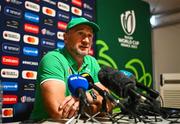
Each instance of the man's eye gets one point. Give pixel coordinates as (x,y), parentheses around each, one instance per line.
(90,36)
(80,33)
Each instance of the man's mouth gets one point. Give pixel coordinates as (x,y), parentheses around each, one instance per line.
(84,47)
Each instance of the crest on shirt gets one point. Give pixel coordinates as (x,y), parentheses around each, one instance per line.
(69,71)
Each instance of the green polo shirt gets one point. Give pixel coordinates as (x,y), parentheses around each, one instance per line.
(58,65)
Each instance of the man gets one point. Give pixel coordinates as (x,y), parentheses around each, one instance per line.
(53,98)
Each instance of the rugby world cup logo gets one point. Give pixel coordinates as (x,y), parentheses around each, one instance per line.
(128,22)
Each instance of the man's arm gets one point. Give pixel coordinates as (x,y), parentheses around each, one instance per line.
(57,105)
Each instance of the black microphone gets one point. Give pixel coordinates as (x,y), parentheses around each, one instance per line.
(102,92)
(153,93)
(120,84)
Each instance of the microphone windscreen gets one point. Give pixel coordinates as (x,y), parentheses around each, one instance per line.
(76,82)
(153,93)
(129,75)
(115,81)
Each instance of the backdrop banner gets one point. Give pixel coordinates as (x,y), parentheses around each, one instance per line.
(124,41)
(29,29)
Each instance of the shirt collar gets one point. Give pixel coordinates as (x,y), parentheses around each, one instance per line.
(72,62)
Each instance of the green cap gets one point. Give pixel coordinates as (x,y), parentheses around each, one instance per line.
(77,21)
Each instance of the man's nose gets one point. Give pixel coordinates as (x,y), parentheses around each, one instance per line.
(86,39)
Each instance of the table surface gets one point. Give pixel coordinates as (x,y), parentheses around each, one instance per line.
(106,120)
(124,120)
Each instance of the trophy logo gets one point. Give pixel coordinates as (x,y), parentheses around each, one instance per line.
(128,22)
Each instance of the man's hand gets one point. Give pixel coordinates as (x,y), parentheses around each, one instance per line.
(69,107)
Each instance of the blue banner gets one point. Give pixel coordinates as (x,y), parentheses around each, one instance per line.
(29,29)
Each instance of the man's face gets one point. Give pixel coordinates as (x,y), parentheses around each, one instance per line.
(79,40)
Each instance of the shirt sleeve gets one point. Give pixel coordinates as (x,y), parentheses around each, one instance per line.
(50,67)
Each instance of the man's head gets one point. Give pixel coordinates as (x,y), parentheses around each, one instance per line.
(78,38)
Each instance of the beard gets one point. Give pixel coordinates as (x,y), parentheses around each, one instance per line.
(81,51)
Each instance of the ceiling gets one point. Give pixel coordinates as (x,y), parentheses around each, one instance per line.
(164,12)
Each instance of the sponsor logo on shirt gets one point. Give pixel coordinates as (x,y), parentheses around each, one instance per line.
(77,3)
(10,60)
(76,11)
(69,71)
(7,112)
(13,12)
(10,48)
(10,86)
(12,24)
(31,17)
(28,74)
(30,51)
(29,39)
(9,99)
(9,73)
(62,25)
(49,11)
(32,6)
(63,6)
(31,28)
(12,36)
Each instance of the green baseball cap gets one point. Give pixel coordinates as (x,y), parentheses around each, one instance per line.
(77,21)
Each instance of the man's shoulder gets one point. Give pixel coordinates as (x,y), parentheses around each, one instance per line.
(53,55)
(55,52)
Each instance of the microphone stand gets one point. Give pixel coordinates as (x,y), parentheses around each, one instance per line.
(106,96)
(126,107)
(82,104)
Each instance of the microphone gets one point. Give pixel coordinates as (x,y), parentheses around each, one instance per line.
(120,84)
(153,93)
(138,103)
(93,86)
(77,86)
(102,92)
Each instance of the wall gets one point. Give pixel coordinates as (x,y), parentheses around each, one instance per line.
(166,49)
